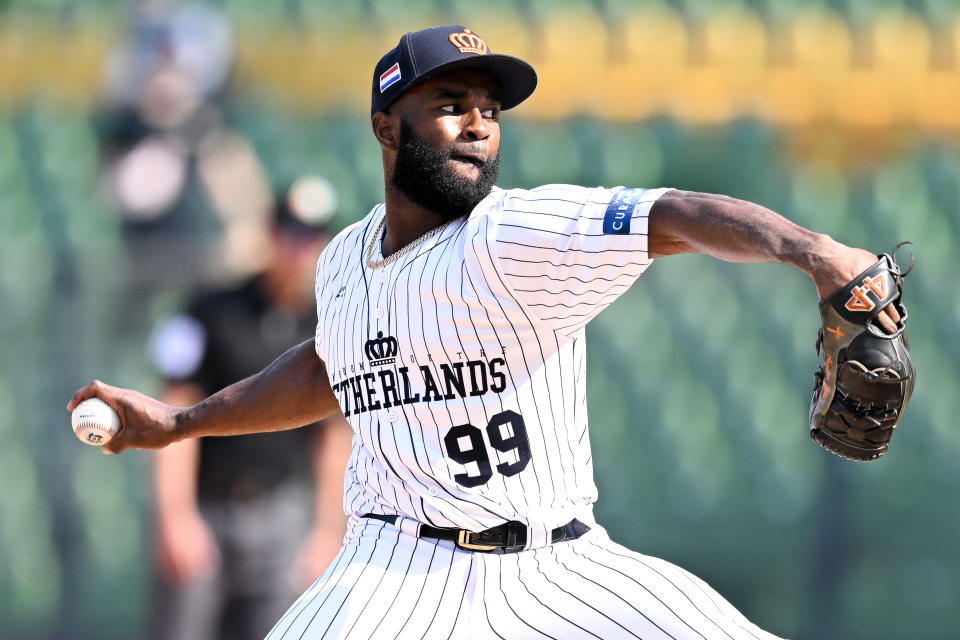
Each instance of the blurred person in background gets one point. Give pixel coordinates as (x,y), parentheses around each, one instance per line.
(190,191)
(234,539)
(234,544)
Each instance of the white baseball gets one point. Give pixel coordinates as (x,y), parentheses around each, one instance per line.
(95,422)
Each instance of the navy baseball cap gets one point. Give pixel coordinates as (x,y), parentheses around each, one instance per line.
(423,54)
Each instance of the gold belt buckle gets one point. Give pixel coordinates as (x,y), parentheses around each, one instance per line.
(463,541)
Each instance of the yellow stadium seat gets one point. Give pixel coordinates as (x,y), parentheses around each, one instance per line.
(651,50)
(724,82)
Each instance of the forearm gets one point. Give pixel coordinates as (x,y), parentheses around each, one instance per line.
(331,452)
(741,231)
(291,392)
(175,479)
(733,230)
(175,467)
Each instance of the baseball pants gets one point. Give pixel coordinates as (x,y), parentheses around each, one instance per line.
(389,584)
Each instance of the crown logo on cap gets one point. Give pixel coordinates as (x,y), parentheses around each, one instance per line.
(469,42)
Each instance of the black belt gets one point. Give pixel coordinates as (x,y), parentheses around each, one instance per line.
(508,537)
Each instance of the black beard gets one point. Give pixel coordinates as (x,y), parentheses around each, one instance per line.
(421,173)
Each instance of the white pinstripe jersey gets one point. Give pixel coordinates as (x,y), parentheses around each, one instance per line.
(461,365)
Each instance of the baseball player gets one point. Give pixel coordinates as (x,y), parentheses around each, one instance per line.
(451,335)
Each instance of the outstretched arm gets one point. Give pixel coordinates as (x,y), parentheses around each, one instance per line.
(740,231)
(290,392)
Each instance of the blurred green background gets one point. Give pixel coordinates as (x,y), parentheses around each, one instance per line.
(843,115)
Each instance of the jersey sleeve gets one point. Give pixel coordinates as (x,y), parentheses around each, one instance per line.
(567,252)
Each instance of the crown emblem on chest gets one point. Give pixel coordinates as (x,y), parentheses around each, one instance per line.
(381,350)
(469,42)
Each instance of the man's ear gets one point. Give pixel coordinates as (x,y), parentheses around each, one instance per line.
(384,128)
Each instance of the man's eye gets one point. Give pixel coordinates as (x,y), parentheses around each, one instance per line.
(490,113)
(449,108)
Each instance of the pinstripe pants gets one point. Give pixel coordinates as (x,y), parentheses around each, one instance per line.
(388,584)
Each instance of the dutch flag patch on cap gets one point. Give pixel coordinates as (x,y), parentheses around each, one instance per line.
(389,77)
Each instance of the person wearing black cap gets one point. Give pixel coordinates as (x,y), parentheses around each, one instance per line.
(243,524)
(450,333)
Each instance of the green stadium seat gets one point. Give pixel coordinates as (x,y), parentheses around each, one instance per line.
(546,153)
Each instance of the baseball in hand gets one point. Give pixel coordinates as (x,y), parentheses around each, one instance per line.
(95,422)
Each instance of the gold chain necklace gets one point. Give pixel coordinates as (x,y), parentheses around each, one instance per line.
(376,264)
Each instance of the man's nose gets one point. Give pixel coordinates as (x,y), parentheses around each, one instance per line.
(475,125)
